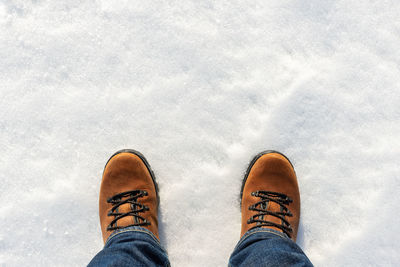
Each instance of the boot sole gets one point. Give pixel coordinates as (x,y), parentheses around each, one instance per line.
(144,160)
(252,162)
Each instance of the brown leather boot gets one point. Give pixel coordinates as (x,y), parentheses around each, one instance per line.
(128,194)
(270,195)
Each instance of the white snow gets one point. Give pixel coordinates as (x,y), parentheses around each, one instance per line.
(199,87)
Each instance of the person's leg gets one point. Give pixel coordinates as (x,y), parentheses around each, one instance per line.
(128,209)
(132,246)
(270,205)
(262,247)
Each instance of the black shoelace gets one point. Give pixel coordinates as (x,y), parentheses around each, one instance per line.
(131,197)
(282,200)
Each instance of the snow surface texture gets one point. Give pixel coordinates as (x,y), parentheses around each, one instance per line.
(199,87)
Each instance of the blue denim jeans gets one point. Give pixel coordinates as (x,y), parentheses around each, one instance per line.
(267,247)
(137,246)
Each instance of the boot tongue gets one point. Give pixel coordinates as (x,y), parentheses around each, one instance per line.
(273,207)
(127,220)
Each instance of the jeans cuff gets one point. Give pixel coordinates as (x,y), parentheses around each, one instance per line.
(132,229)
(261,230)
